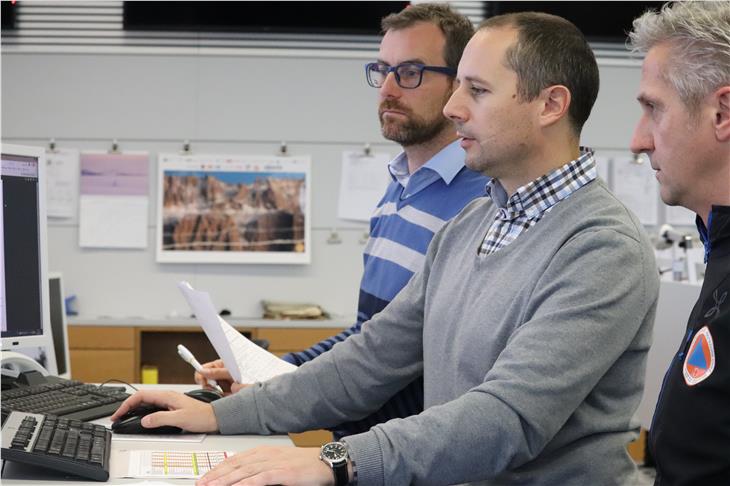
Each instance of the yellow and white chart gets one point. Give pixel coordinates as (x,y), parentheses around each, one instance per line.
(170,464)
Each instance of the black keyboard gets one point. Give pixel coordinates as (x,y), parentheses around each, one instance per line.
(66,398)
(70,446)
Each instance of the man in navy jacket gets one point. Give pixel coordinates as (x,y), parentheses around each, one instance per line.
(685,130)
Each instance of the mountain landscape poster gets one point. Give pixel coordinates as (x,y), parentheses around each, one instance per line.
(233,209)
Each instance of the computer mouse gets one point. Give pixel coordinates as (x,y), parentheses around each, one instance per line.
(204,395)
(131,422)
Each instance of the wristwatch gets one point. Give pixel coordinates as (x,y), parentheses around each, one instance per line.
(336,456)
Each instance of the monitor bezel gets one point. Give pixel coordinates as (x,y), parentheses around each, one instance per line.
(45,339)
(59,276)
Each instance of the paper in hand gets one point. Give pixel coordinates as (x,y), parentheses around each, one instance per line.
(245,361)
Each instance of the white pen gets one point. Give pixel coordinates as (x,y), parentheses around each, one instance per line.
(188,357)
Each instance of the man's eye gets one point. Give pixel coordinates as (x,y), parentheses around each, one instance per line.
(409,73)
(648,105)
(477,91)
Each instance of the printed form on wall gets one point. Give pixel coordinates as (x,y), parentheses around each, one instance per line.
(62,179)
(362,184)
(635,185)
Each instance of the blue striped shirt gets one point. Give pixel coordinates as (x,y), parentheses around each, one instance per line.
(412,210)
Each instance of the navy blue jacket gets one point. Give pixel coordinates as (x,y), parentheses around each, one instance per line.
(690,433)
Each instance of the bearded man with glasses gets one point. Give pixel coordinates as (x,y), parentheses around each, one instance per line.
(415,73)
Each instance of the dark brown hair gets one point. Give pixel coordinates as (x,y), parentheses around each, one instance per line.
(457,28)
(550,51)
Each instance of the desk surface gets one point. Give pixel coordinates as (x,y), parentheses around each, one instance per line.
(16,474)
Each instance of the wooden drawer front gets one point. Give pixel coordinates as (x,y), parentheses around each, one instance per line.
(100,337)
(294,339)
(98,366)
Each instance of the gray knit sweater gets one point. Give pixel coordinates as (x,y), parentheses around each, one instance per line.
(533,357)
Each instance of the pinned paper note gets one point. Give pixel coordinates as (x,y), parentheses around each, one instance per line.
(62,189)
(114,201)
(363,181)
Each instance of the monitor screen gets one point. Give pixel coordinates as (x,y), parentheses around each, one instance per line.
(24,311)
(22,300)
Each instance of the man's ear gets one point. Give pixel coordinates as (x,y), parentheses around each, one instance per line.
(722,113)
(556,102)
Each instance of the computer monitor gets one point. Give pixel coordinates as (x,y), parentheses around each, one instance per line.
(58,324)
(24,302)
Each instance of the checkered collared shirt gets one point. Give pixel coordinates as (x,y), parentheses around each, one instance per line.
(529,203)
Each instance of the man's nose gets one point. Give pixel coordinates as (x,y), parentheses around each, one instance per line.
(641,140)
(390,88)
(454,110)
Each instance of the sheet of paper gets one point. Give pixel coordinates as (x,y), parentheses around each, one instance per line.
(166,464)
(113,222)
(362,184)
(247,362)
(113,206)
(635,185)
(254,362)
(62,188)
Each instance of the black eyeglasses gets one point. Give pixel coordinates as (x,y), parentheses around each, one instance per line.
(408,75)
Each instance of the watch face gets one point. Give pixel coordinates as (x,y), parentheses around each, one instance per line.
(334,451)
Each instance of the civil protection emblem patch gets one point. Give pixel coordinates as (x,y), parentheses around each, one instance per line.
(700,361)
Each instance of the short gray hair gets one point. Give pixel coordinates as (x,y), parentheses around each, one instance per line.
(698,35)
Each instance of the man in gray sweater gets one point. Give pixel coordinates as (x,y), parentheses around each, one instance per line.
(530,321)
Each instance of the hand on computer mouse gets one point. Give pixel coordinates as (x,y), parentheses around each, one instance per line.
(131,422)
(176,409)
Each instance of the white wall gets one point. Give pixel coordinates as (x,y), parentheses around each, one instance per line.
(223,104)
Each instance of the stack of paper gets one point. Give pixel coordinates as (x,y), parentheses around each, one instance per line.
(291,310)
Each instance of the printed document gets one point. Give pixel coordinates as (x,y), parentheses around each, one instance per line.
(363,181)
(167,464)
(62,190)
(247,362)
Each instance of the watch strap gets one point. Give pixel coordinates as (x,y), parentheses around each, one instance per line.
(340,472)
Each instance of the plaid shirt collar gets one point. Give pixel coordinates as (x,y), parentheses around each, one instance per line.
(523,209)
(536,197)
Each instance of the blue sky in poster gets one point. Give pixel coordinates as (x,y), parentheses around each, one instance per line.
(236,177)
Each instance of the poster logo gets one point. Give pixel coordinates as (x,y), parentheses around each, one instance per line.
(700,361)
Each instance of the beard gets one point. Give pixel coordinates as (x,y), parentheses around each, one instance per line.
(413,130)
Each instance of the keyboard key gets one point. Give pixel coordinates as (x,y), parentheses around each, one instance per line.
(57,443)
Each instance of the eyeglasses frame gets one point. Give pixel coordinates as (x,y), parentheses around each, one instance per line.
(394,69)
